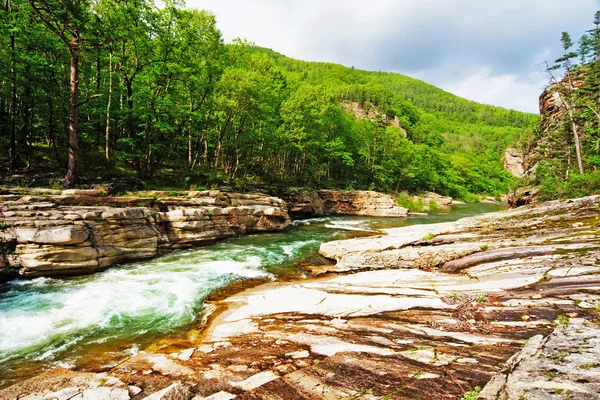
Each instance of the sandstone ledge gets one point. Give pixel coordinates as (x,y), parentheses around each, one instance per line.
(82,231)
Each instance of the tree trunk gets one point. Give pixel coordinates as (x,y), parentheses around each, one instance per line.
(72,177)
(13,100)
(575,128)
(190,147)
(110,90)
(51,131)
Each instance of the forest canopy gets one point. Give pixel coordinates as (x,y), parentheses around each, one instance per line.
(127,88)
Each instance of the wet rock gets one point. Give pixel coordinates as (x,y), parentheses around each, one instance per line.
(523,196)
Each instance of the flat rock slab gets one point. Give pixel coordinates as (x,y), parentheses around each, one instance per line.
(566,364)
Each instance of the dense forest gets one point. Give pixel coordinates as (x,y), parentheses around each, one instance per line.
(105,88)
(567,143)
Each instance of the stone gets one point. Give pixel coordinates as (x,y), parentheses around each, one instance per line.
(217,396)
(257,380)
(513,162)
(177,391)
(565,362)
(186,354)
(134,390)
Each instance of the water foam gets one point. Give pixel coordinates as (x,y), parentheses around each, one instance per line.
(42,318)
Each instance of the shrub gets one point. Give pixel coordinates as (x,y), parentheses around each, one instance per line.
(472,395)
(407,201)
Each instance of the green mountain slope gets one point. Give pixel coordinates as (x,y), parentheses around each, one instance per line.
(466,139)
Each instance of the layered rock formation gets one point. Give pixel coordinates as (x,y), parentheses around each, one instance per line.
(48,233)
(304,203)
(429,312)
(372,114)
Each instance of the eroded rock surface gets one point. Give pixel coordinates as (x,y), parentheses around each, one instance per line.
(402,326)
(308,203)
(48,233)
(565,364)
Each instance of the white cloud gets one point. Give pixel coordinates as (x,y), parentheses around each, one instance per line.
(489,46)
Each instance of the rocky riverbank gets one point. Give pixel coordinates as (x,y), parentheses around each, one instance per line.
(72,232)
(510,298)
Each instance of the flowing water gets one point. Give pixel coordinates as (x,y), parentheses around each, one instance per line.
(103,317)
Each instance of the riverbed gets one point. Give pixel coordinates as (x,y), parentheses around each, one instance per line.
(94,321)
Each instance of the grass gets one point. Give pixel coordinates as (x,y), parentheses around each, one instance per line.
(418,374)
(427,237)
(550,374)
(472,395)
(407,201)
(562,319)
(480,299)
(484,247)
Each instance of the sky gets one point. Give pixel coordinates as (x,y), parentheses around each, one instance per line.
(489,51)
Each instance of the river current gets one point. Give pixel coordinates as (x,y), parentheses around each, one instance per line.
(96,320)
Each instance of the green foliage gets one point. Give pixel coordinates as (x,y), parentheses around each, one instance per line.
(427,237)
(411,203)
(432,205)
(552,187)
(473,395)
(163,98)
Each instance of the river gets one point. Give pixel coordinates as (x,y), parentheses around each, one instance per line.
(92,322)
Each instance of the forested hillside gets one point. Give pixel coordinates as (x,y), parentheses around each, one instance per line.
(130,89)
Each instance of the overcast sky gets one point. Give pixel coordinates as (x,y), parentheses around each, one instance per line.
(484,50)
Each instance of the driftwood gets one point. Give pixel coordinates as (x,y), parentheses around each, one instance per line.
(509,253)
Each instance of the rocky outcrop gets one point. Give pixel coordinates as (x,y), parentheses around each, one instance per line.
(523,196)
(304,203)
(370,112)
(519,163)
(46,233)
(401,326)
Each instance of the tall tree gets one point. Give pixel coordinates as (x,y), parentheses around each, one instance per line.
(68,20)
(565,90)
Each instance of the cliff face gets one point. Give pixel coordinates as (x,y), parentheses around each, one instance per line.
(78,232)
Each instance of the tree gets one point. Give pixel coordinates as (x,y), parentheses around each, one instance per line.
(68,20)
(565,91)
